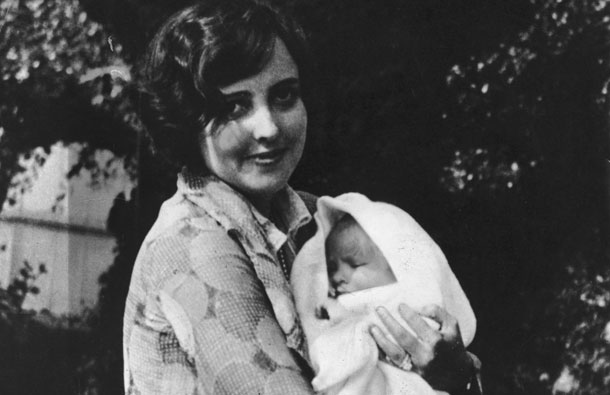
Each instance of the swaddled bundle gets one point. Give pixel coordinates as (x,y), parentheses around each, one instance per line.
(342,352)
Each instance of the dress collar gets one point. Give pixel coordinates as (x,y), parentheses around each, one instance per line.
(237,211)
(259,237)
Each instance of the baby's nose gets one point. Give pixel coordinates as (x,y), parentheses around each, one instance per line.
(342,275)
(335,280)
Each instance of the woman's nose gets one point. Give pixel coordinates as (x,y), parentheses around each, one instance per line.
(264,124)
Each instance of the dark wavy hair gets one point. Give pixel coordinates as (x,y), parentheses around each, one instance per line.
(205,46)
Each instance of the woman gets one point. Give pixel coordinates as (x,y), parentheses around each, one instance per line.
(210,309)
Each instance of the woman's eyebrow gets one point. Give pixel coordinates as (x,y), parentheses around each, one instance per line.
(239,95)
(287,81)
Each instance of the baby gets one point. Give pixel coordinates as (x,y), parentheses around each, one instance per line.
(367,254)
(353,260)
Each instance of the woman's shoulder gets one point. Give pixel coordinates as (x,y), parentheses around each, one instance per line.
(180,221)
(178,213)
(195,248)
(181,237)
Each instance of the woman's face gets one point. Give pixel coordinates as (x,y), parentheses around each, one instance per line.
(257,146)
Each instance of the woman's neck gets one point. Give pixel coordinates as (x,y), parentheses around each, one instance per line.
(265,206)
(262,204)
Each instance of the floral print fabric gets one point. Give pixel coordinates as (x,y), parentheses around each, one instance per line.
(209,309)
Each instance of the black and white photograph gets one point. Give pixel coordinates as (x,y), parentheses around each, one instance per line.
(282,197)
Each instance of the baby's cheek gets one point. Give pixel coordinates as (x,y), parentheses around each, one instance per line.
(364,279)
(378,278)
(390,277)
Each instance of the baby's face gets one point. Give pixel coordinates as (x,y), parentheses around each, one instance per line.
(354,262)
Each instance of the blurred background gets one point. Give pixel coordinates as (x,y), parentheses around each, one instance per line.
(487,120)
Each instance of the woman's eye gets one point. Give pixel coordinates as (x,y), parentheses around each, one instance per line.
(234,108)
(286,96)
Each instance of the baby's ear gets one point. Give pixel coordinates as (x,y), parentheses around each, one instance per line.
(322,313)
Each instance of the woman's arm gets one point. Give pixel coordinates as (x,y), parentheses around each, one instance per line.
(439,356)
(208,323)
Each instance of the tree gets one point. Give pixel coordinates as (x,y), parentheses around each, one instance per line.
(63,79)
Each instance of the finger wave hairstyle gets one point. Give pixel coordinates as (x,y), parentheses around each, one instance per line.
(208,45)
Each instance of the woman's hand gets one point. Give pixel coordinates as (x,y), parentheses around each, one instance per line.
(438,355)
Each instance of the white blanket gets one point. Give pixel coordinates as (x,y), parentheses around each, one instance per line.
(341,350)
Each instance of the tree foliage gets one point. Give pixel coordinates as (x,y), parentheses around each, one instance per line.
(63,79)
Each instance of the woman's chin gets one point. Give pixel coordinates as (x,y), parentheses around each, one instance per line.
(264,186)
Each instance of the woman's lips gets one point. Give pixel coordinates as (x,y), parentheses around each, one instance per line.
(267,157)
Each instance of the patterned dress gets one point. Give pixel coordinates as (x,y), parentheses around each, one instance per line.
(210,309)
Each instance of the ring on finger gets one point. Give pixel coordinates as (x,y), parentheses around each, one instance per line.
(406,363)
